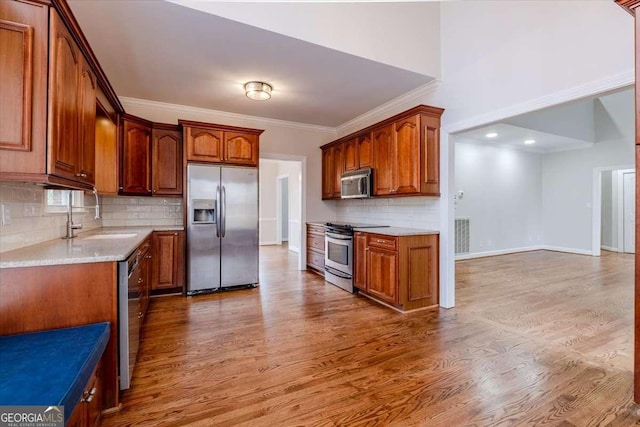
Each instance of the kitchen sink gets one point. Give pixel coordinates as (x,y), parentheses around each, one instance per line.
(112,236)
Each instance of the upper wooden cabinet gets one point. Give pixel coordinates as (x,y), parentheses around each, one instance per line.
(402,150)
(167,160)
(211,143)
(332,169)
(50,84)
(136,156)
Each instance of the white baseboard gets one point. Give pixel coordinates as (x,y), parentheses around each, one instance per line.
(609,248)
(567,250)
(498,252)
(294,249)
(266,242)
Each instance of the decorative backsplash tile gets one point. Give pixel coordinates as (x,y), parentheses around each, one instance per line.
(140,211)
(29,224)
(412,212)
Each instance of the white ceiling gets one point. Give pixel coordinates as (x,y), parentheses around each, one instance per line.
(164,52)
(569,126)
(514,137)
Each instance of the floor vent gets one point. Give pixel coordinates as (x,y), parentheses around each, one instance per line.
(462,235)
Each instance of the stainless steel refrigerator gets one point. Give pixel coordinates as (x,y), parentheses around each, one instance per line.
(222,227)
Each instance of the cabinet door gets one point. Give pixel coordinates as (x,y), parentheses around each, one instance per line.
(382,274)
(241,148)
(360,261)
(87,118)
(365,155)
(337,163)
(383,163)
(203,145)
(64,84)
(145,283)
(167,260)
(406,155)
(94,404)
(167,162)
(106,139)
(136,159)
(351,155)
(430,155)
(327,173)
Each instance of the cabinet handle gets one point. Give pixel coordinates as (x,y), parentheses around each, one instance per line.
(140,315)
(89,395)
(140,280)
(81,175)
(148,257)
(175,234)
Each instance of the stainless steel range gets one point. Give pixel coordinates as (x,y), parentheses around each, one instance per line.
(338,253)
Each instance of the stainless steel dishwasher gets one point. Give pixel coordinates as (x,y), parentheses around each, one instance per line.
(130,313)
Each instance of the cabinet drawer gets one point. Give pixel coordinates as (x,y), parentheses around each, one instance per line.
(315,242)
(316,229)
(384,242)
(315,260)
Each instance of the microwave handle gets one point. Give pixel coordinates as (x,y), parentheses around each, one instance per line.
(362,186)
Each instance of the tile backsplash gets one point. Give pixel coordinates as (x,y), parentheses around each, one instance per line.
(29,224)
(140,211)
(412,212)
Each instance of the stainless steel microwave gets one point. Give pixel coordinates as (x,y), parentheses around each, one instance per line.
(357,184)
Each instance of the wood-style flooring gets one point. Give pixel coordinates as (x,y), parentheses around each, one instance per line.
(539,338)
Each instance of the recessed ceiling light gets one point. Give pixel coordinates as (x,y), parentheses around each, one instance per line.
(491,135)
(530,141)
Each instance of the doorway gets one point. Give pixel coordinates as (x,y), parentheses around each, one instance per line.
(615,220)
(281,205)
(629,211)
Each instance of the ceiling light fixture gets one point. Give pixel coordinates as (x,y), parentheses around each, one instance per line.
(259,91)
(491,134)
(530,141)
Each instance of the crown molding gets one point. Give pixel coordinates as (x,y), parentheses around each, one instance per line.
(261,121)
(629,5)
(389,108)
(596,87)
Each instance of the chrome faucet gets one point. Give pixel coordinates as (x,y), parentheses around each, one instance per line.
(95,194)
(70,225)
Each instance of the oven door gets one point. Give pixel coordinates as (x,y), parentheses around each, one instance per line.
(338,252)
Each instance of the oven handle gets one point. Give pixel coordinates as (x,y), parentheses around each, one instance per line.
(338,236)
(337,273)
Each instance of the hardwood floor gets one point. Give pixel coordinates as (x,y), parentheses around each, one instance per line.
(537,338)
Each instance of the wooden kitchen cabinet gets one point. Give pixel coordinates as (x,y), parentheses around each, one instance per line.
(241,148)
(136,156)
(401,271)
(212,143)
(167,160)
(315,248)
(88,410)
(168,261)
(402,150)
(49,91)
(106,139)
(332,170)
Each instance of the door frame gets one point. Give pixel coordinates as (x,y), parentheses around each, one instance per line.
(596,211)
(302,254)
(279,180)
(621,222)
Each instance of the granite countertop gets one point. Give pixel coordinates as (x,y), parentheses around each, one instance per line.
(87,247)
(316,223)
(397,231)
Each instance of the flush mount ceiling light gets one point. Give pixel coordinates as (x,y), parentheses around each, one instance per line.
(491,135)
(259,91)
(530,141)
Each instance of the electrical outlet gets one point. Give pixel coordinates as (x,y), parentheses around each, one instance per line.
(5,212)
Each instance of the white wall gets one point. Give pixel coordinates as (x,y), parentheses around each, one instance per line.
(567,177)
(502,195)
(391,33)
(609,238)
(292,170)
(267,205)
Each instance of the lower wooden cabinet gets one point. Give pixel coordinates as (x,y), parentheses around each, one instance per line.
(88,411)
(400,271)
(168,261)
(315,248)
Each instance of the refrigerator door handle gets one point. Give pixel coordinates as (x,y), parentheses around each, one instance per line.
(224,211)
(218,211)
